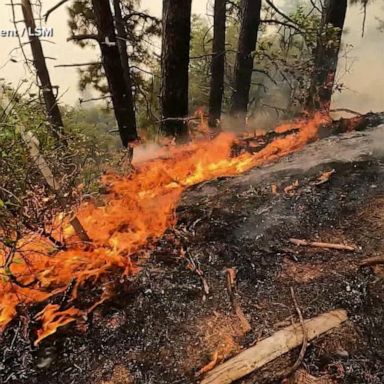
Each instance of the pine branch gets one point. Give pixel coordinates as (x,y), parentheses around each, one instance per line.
(76,64)
(83,37)
(59,4)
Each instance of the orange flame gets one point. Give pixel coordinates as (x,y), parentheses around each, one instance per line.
(52,318)
(137,208)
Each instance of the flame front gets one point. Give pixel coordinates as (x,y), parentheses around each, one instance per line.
(137,208)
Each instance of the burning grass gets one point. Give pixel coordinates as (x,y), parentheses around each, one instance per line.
(137,209)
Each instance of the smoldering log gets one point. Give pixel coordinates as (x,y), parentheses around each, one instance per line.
(334,127)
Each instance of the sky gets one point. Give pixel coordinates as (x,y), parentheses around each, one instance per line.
(360,66)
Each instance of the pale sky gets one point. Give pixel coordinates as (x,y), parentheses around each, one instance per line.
(361,73)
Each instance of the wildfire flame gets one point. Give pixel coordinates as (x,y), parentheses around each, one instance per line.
(137,208)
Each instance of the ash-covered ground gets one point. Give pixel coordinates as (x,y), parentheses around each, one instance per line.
(165,324)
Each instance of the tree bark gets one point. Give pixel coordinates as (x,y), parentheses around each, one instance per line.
(122,99)
(244,59)
(122,44)
(326,56)
(174,66)
(218,63)
(52,109)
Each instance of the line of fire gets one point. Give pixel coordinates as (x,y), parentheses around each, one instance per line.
(191,191)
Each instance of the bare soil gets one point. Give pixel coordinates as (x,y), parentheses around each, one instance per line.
(168,322)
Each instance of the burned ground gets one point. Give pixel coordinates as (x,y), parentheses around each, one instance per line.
(165,324)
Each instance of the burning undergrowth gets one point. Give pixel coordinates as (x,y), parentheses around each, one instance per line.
(137,209)
(175,318)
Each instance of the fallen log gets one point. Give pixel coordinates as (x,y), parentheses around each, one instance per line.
(272,347)
(357,123)
(257,143)
(334,127)
(318,244)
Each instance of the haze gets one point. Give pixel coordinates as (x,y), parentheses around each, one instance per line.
(360,67)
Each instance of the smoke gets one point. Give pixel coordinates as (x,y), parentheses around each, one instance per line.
(377,148)
(148,151)
(360,64)
(259,123)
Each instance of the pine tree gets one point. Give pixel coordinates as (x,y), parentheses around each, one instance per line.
(250,22)
(174,67)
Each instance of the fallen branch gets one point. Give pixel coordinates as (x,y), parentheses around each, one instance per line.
(272,347)
(208,367)
(370,261)
(304,345)
(317,244)
(290,189)
(231,288)
(194,267)
(324,177)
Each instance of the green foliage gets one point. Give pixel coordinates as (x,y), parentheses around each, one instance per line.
(283,62)
(26,201)
(141,30)
(285,59)
(94,143)
(199,68)
(140,27)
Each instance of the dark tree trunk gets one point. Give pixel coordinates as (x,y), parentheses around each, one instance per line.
(174,67)
(326,56)
(53,111)
(122,99)
(218,63)
(244,59)
(122,44)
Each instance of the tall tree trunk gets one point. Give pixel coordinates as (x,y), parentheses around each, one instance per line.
(122,99)
(174,67)
(244,58)
(218,63)
(122,44)
(326,55)
(53,111)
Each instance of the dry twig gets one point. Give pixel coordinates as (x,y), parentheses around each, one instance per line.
(231,287)
(370,261)
(305,338)
(324,177)
(208,367)
(318,244)
(290,189)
